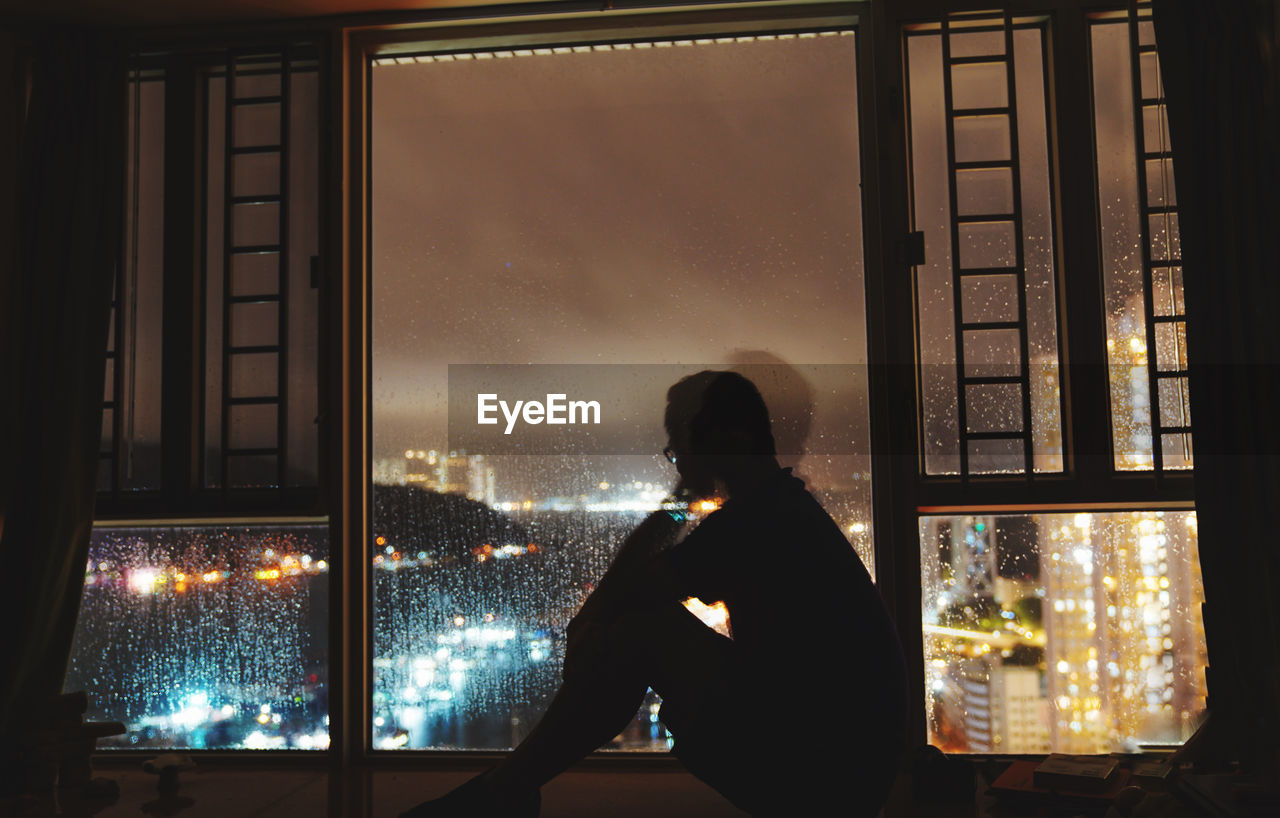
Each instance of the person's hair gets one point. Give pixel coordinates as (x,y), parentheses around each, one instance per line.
(722,412)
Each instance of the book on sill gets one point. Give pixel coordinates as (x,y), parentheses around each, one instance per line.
(1088,773)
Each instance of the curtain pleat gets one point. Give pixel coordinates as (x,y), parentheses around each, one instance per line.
(56,312)
(1218,62)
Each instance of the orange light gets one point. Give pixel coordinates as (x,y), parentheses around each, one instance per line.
(381,540)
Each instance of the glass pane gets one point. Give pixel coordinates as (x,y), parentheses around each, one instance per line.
(305,203)
(629,225)
(1171,346)
(1175,402)
(992,353)
(1155,128)
(985,299)
(206,637)
(984,192)
(979,85)
(1004,456)
(987,244)
(255,125)
(931,206)
(1070,633)
(977,43)
(255,224)
(1122,176)
(1177,451)
(983,245)
(993,407)
(252,427)
(141,300)
(1161,191)
(1166,244)
(257,274)
(1166,291)
(262,80)
(255,174)
(982,138)
(1149,67)
(254,375)
(255,324)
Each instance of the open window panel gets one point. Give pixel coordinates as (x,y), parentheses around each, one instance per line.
(1141,248)
(247,309)
(982,197)
(633,211)
(1047,630)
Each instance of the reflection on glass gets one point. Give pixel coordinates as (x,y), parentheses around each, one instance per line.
(1071,633)
(647,203)
(207,637)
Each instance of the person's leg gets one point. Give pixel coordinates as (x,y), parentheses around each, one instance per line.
(666,648)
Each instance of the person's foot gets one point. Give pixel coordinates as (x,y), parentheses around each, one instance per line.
(477,798)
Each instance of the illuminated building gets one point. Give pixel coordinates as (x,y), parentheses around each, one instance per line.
(1123,630)
(1003,707)
(1071,651)
(454,473)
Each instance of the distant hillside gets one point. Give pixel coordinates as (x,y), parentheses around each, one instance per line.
(413,519)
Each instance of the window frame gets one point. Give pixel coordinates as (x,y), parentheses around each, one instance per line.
(901,492)
(1088,482)
(363,46)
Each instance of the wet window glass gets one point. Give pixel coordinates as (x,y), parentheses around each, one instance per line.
(206,636)
(681,205)
(1067,633)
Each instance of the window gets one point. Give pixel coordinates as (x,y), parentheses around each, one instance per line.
(204,622)
(1061,601)
(609,216)
(609,206)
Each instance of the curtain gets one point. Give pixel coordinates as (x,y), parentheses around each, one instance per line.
(57,287)
(1219,66)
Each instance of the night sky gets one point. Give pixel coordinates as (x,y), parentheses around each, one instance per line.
(692,204)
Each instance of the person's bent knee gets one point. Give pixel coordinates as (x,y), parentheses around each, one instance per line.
(618,647)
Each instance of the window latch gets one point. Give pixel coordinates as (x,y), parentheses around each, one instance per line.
(913,248)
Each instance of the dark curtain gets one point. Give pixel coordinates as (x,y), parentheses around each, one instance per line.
(56,309)
(1219,66)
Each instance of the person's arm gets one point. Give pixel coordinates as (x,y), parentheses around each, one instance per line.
(636,575)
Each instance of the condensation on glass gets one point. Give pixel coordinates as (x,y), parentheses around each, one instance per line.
(1142,266)
(260,389)
(982,196)
(130,448)
(206,636)
(1070,633)
(691,203)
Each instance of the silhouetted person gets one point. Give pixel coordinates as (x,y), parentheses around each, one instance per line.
(802,712)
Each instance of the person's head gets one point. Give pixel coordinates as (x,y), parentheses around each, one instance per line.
(718,427)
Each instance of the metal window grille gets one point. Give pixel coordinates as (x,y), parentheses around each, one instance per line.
(1164,311)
